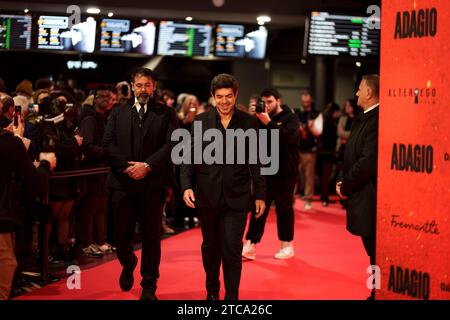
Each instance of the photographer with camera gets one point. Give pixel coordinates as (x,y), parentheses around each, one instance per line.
(272,115)
(53,131)
(15,169)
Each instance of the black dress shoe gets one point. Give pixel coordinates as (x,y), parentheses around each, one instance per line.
(212,296)
(148,295)
(126,280)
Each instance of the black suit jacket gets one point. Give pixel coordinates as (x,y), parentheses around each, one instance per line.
(161,121)
(360,174)
(218,184)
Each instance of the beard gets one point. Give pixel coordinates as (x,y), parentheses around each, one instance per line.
(143,98)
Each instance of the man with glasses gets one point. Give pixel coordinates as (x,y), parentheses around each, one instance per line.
(93,207)
(137,143)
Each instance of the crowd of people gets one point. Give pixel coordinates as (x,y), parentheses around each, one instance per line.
(127,127)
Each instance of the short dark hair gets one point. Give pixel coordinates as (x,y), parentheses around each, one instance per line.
(168,93)
(224,80)
(306,92)
(145,72)
(373,82)
(6,102)
(102,87)
(268,92)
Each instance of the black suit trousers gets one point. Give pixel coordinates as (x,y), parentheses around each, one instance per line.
(222,231)
(282,192)
(146,207)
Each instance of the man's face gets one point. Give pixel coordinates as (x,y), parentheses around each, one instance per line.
(362,94)
(225,100)
(306,100)
(143,88)
(103,99)
(271,105)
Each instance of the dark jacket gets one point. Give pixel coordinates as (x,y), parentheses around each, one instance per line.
(360,174)
(92,129)
(287,123)
(120,144)
(16,172)
(307,143)
(218,184)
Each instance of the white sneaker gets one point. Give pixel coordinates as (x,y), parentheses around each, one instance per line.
(249,250)
(285,253)
(105,248)
(308,206)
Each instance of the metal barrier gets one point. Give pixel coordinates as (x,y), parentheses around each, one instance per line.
(45,222)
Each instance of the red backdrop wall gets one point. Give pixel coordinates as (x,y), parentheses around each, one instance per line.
(413,232)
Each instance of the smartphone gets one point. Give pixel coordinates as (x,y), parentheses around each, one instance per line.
(17,112)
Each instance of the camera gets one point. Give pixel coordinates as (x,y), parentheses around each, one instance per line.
(259,108)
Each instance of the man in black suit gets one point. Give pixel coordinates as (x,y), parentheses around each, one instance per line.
(137,142)
(223,192)
(359,181)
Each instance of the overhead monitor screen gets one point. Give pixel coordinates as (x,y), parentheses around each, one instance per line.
(332,34)
(180,39)
(15,32)
(234,40)
(55,33)
(119,35)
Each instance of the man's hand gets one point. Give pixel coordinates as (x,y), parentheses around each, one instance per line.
(137,170)
(252,110)
(260,206)
(50,157)
(338,190)
(189,198)
(79,139)
(263,117)
(17,131)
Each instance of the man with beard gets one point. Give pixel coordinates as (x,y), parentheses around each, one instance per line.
(279,187)
(137,142)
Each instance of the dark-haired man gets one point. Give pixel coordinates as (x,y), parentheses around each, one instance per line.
(137,142)
(280,187)
(223,193)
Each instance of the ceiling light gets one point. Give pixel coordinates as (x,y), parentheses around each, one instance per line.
(303,61)
(93,10)
(26,10)
(188,18)
(358,64)
(110,14)
(263,19)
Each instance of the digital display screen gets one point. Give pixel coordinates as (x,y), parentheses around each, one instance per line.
(15,32)
(180,39)
(55,34)
(118,35)
(331,34)
(233,41)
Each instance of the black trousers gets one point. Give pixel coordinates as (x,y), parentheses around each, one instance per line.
(222,231)
(93,210)
(370,245)
(282,192)
(147,208)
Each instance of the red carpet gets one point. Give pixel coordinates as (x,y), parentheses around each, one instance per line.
(329,263)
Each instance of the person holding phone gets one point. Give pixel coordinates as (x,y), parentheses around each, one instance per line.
(6,111)
(14,160)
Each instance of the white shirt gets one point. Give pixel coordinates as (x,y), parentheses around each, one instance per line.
(138,106)
(371,108)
